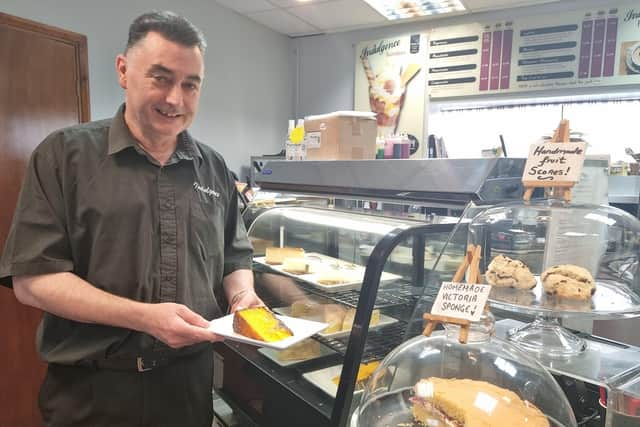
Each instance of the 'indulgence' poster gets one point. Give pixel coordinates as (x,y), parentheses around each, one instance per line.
(390,80)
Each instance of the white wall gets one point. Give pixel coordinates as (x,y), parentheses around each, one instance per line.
(248,91)
(326,62)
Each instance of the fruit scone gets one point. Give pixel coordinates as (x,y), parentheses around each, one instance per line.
(568,281)
(506,272)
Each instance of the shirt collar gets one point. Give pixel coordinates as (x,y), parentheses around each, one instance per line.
(120,137)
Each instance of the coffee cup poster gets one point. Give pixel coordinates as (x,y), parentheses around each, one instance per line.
(390,80)
(629,57)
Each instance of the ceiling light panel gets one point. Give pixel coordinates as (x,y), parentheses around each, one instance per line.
(405,9)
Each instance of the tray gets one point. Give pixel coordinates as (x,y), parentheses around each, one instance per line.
(384,321)
(301,329)
(319,264)
(611,300)
(322,379)
(272,354)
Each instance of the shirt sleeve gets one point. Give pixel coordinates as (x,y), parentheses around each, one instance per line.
(238,252)
(38,242)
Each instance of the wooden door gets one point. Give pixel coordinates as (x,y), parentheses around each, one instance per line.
(43,87)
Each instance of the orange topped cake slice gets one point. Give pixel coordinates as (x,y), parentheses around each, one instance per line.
(364,372)
(260,323)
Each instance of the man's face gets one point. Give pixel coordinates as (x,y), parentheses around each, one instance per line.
(162,81)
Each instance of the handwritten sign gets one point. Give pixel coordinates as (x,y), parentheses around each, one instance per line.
(555,162)
(461,300)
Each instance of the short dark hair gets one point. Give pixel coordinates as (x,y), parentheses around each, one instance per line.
(170,25)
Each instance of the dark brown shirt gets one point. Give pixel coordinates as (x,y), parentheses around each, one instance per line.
(96,204)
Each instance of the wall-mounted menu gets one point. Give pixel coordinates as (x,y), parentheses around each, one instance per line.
(453,63)
(578,49)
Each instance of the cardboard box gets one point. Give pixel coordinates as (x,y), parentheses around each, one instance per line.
(342,135)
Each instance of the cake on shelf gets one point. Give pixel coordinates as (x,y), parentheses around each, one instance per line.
(304,350)
(364,372)
(339,317)
(333,314)
(260,245)
(295,265)
(333,277)
(275,256)
(303,308)
(347,322)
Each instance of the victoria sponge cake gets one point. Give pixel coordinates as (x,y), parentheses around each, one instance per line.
(470,403)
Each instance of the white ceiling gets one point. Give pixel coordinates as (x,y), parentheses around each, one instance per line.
(300,18)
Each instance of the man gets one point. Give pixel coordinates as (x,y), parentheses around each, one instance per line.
(126,234)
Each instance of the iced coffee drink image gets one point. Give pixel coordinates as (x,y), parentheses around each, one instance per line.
(387,92)
(633,58)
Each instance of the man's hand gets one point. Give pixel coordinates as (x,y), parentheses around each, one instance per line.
(177,326)
(238,287)
(245,299)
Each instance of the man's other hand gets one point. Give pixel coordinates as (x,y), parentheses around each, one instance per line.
(246,299)
(177,326)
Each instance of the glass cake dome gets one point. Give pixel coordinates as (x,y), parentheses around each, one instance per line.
(439,382)
(555,261)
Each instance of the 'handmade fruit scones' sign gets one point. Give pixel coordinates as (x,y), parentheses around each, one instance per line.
(555,162)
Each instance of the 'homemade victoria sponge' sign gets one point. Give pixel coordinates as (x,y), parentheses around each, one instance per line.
(554,162)
(461,300)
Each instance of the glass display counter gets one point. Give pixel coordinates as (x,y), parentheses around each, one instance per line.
(371,277)
(350,261)
(378,241)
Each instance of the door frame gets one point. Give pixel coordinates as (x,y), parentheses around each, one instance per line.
(79,43)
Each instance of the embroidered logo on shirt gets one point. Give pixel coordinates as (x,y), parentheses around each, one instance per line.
(206,190)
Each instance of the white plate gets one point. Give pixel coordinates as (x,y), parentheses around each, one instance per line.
(301,329)
(322,379)
(384,320)
(273,355)
(319,263)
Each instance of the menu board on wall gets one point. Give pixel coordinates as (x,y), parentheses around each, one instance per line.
(460,60)
(578,49)
(390,80)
